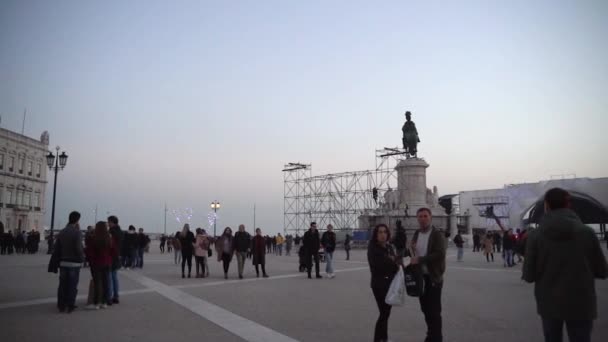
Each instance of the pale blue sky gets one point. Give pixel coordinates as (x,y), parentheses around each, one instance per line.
(187,102)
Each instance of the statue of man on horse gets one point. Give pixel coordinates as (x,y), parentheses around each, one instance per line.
(410,136)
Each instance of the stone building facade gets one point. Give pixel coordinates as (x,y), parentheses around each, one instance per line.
(23,180)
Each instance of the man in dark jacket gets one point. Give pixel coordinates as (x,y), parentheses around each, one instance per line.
(117,239)
(328,240)
(429,246)
(563,258)
(311,244)
(130,248)
(71,257)
(142,242)
(241,245)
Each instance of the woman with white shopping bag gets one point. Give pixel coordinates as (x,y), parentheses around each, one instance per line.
(383,264)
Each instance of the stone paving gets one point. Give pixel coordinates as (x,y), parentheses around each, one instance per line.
(481,302)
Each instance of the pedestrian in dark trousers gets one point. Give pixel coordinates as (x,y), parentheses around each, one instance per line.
(312,243)
(476,243)
(130,248)
(497,240)
(563,259)
(2,240)
(383,265)
(488,249)
(508,244)
(163,241)
(347,245)
(258,251)
(118,240)
(71,256)
(169,244)
(400,240)
(224,248)
(142,241)
(100,253)
(242,244)
(429,247)
(459,242)
(10,242)
(268,244)
(187,240)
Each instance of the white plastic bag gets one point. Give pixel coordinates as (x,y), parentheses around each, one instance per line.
(396,292)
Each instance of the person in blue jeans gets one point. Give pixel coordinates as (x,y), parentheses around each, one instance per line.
(117,239)
(71,256)
(328,241)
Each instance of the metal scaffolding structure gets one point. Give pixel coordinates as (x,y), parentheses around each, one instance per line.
(338,198)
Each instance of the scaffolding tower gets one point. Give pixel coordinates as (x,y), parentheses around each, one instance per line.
(337,198)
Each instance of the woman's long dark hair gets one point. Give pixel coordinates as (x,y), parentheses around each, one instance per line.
(101,235)
(225,229)
(374,237)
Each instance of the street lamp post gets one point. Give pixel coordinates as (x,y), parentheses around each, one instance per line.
(55,164)
(215,205)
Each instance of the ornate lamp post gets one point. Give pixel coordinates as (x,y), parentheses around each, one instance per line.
(55,164)
(215,205)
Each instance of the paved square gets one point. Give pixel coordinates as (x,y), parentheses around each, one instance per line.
(481,302)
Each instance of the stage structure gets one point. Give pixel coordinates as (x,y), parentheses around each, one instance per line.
(338,198)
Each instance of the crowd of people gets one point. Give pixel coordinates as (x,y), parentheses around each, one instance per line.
(21,242)
(562,257)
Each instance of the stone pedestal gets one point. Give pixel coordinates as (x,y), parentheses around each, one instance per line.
(411,178)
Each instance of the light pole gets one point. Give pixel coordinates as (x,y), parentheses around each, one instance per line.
(55,164)
(215,205)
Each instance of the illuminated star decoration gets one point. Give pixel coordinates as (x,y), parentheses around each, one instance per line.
(211,218)
(182,216)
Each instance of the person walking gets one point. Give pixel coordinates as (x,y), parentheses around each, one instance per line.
(130,248)
(563,259)
(347,246)
(117,240)
(186,240)
(71,256)
(312,243)
(201,251)
(459,242)
(429,247)
(177,249)
(242,244)
(280,242)
(383,265)
(169,244)
(142,243)
(488,247)
(224,249)
(476,243)
(258,250)
(328,241)
(288,244)
(163,241)
(100,254)
(268,244)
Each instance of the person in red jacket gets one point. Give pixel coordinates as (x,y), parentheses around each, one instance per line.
(100,255)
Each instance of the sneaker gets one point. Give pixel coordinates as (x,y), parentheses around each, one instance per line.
(104,306)
(319,276)
(115,301)
(72,308)
(91,307)
(265,275)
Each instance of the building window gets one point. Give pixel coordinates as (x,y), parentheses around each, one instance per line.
(11,164)
(36,200)
(30,166)
(39,171)
(21,165)
(26,199)
(19,197)
(9,197)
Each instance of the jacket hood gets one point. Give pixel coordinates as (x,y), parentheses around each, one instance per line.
(560,224)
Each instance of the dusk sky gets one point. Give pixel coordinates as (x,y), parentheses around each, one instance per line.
(188,102)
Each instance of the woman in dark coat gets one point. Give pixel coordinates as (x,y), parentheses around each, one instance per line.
(383,264)
(258,249)
(186,240)
(225,250)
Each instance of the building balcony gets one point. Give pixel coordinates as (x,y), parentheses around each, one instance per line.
(21,207)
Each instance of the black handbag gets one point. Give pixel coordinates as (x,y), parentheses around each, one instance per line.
(55,258)
(414,280)
(209,253)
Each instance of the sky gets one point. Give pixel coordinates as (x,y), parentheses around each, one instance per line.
(186,102)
